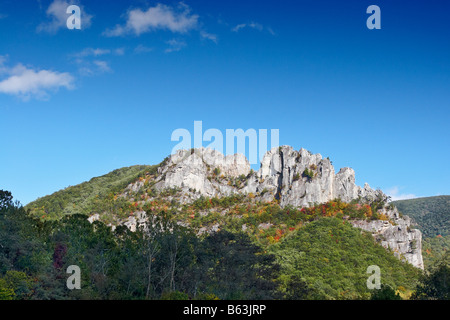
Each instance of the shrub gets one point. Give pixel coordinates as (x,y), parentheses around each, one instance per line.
(308,174)
(385,293)
(174,295)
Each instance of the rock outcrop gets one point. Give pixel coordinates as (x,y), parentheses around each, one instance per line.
(396,234)
(192,172)
(296,178)
(293,178)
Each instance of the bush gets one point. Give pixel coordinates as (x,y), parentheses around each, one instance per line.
(174,295)
(435,285)
(308,174)
(385,293)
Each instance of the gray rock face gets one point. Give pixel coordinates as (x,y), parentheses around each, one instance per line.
(302,178)
(396,234)
(191,171)
(295,178)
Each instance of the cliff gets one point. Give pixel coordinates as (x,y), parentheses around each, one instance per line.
(296,178)
(293,178)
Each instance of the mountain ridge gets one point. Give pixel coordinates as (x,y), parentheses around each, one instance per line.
(297,178)
(286,178)
(431,214)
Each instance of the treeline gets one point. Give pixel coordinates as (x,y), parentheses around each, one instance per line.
(432,214)
(325,259)
(165,261)
(82,197)
(435,249)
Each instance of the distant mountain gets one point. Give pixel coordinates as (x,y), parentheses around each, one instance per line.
(431,214)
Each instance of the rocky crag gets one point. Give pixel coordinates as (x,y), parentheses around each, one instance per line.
(293,178)
(297,178)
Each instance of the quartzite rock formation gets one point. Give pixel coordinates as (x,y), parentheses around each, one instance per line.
(281,176)
(295,178)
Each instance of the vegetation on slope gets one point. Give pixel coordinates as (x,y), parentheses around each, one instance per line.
(321,257)
(434,250)
(331,258)
(80,198)
(227,248)
(432,214)
(165,262)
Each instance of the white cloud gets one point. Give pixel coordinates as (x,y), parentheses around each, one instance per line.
(271,31)
(163,17)
(142,49)
(252,25)
(27,83)
(239,27)
(96,52)
(92,52)
(175,45)
(88,62)
(93,68)
(256,26)
(57,14)
(395,194)
(3,68)
(119,51)
(209,36)
(102,66)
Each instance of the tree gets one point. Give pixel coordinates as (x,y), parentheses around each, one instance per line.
(436,284)
(5,199)
(297,289)
(385,293)
(237,268)
(20,283)
(6,292)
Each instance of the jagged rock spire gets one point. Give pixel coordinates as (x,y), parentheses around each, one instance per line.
(297,178)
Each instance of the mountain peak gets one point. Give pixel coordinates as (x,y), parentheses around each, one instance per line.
(286,178)
(296,178)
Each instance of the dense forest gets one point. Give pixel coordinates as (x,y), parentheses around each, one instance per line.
(431,214)
(325,258)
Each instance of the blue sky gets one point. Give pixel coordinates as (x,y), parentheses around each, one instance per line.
(75,104)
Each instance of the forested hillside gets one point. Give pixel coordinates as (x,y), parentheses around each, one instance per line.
(229,247)
(326,259)
(81,198)
(432,214)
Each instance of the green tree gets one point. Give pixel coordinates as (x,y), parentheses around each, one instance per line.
(6,292)
(238,269)
(297,289)
(436,284)
(21,284)
(385,293)
(5,199)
